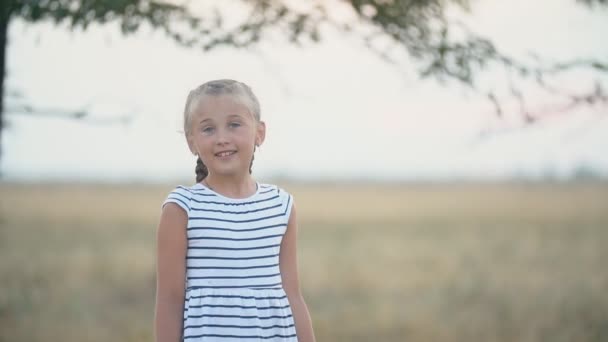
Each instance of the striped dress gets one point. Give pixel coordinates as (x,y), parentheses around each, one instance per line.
(233,286)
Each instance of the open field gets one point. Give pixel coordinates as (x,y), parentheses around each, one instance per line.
(463,262)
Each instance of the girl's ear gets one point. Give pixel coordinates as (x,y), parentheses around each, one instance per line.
(260,133)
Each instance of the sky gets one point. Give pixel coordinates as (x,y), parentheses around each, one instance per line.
(333,110)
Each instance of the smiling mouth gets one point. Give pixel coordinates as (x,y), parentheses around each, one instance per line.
(225,153)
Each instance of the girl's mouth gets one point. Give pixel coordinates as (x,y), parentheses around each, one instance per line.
(225,153)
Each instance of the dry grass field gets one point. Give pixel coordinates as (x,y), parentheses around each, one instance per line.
(461,262)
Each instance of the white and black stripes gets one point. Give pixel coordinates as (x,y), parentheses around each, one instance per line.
(243,314)
(234,286)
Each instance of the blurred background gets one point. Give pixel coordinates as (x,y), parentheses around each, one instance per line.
(449,159)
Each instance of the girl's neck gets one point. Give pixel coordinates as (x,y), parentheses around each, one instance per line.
(241,187)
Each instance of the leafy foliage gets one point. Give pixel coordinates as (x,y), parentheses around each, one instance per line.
(439,46)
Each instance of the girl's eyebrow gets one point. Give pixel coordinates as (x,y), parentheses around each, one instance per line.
(231,116)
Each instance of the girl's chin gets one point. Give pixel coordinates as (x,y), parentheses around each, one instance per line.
(226,170)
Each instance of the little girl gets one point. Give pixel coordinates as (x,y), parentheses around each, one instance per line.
(226,259)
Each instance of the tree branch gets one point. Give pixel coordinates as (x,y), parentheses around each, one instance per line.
(82,114)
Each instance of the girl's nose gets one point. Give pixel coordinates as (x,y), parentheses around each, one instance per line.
(222,137)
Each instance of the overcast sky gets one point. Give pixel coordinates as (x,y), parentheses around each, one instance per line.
(332,110)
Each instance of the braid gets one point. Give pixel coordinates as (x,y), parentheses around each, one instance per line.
(200,170)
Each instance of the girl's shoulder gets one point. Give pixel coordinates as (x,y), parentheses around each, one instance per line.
(283,197)
(183,195)
(265,188)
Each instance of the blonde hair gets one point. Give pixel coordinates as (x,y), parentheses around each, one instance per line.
(238,90)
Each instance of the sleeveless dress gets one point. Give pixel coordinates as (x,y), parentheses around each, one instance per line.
(233,285)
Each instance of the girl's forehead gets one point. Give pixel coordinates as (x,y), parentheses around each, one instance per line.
(221,105)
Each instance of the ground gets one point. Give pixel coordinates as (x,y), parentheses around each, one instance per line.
(378,262)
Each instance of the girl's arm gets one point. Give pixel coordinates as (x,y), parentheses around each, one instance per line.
(289,273)
(170,273)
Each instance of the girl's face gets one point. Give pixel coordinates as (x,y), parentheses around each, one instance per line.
(223,134)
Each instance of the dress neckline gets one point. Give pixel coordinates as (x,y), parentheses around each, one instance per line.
(236,199)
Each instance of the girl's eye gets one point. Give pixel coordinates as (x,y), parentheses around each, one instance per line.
(207,129)
(234,124)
